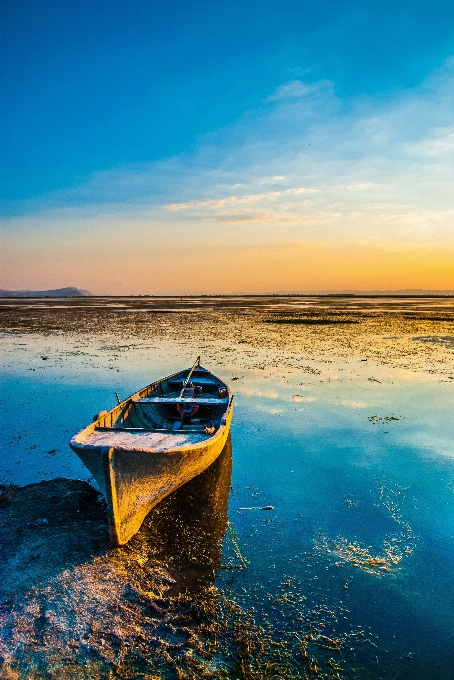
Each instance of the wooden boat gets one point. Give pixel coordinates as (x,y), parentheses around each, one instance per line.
(154,442)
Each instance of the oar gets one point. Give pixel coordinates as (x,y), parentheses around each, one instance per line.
(197,362)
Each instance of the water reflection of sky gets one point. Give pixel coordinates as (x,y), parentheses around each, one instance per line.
(359,467)
(356,460)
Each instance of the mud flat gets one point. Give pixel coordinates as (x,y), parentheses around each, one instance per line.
(341,431)
(75,607)
(278,330)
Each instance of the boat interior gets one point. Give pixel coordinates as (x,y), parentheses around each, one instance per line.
(193,400)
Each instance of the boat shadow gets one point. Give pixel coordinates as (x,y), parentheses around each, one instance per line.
(185,531)
(57,525)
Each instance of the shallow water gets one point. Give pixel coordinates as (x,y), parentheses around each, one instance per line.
(350,566)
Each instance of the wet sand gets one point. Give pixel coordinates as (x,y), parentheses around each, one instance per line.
(73,607)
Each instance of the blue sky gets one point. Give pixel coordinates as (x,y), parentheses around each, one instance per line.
(250,126)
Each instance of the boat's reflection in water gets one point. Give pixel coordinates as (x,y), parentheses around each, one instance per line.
(185,531)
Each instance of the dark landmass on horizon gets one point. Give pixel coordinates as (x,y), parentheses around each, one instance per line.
(56,292)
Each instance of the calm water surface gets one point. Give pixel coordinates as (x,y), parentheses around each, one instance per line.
(354,461)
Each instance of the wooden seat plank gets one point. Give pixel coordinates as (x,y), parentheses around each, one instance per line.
(213,401)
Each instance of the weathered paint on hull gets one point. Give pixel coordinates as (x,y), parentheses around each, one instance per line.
(133,482)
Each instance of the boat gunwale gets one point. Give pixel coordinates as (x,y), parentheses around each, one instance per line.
(180,400)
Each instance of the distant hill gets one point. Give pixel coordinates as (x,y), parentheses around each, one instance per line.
(56,292)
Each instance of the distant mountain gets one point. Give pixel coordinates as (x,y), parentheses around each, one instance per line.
(56,292)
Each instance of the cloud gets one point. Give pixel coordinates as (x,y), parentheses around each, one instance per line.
(345,154)
(225,202)
(245,208)
(307,167)
(263,218)
(296,88)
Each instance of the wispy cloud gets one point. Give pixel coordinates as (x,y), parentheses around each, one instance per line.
(296,88)
(249,207)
